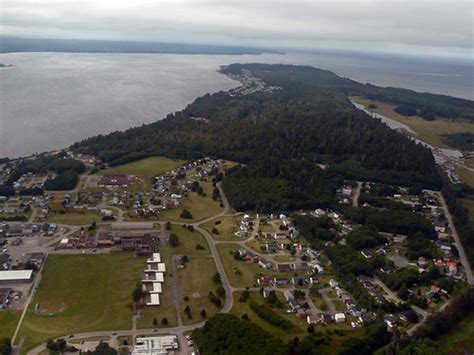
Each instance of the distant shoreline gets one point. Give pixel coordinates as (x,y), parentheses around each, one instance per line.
(22,44)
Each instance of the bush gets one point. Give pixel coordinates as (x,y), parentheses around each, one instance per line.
(173,241)
(186,214)
(268,315)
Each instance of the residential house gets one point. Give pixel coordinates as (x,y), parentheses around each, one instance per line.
(340,317)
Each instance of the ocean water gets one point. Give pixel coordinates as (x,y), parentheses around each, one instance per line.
(51,100)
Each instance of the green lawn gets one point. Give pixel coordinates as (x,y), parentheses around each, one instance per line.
(80,293)
(74,218)
(145,168)
(8,322)
(226,228)
(460,338)
(196,282)
(267,228)
(188,240)
(284,258)
(199,206)
(466,176)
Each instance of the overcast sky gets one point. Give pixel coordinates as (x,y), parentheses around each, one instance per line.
(439,27)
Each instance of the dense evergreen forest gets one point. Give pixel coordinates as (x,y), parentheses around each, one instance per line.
(280,138)
(464,141)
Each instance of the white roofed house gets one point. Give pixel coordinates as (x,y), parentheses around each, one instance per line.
(340,317)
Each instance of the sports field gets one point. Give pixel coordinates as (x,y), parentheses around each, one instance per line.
(80,293)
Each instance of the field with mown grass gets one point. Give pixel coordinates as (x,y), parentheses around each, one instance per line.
(145,168)
(82,293)
(8,322)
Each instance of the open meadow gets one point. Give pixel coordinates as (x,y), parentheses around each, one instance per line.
(199,206)
(8,322)
(225,226)
(145,168)
(196,281)
(431,132)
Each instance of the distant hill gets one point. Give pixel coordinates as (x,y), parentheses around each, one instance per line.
(19,44)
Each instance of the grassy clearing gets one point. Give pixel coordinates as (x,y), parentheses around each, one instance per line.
(226,228)
(460,339)
(74,218)
(188,240)
(469,162)
(466,176)
(284,258)
(431,132)
(196,282)
(200,207)
(145,168)
(83,293)
(97,338)
(8,322)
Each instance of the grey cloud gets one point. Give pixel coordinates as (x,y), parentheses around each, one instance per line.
(348,24)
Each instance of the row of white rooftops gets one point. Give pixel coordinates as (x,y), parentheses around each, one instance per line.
(154,274)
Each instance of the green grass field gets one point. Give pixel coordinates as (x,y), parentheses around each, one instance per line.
(196,282)
(82,293)
(199,206)
(8,322)
(188,241)
(145,168)
(461,337)
(466,176)
(74,218)
(226,228)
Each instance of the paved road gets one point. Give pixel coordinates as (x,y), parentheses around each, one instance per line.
(355,198)
(457,240)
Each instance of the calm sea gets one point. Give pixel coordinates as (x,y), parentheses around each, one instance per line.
(51,100)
